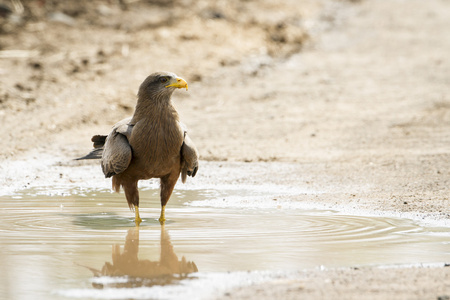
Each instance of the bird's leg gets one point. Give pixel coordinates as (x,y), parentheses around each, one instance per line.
(162,218)
(137,218)
(132,194)
(167,184)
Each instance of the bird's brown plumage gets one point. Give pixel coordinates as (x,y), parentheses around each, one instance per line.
(153,143)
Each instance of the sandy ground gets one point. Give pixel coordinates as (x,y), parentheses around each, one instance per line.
(350,98)
(354,283)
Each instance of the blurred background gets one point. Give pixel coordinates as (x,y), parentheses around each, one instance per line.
(303,81)
(78,64)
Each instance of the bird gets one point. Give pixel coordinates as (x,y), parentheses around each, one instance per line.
(153,143)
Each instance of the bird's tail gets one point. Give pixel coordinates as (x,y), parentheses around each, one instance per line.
(94,154)
(99,142)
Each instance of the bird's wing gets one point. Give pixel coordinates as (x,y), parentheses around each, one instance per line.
(189,158)
(124,127)
(117,152)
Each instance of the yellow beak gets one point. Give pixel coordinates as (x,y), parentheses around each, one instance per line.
(180,83)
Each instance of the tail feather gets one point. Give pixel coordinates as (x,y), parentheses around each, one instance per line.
(94,154)
(99,141)
(116,184)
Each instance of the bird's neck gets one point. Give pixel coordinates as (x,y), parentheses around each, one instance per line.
(154,110)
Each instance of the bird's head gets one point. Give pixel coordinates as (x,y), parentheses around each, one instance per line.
(161,84)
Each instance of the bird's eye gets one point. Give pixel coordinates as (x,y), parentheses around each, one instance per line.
(163,79)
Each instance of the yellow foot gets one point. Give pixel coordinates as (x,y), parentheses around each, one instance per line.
(137,218)
(162,218)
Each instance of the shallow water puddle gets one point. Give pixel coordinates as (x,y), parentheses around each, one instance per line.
(65,242)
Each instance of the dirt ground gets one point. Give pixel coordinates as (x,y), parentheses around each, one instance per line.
(350,98)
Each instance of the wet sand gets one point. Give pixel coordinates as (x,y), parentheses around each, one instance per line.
(360,114)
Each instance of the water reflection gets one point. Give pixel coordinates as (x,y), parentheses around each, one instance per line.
(143,272)
(41,236)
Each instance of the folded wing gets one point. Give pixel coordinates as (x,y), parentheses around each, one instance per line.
(189,158)
(117,151)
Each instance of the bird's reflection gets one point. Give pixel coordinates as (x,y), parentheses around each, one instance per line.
(144,272)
